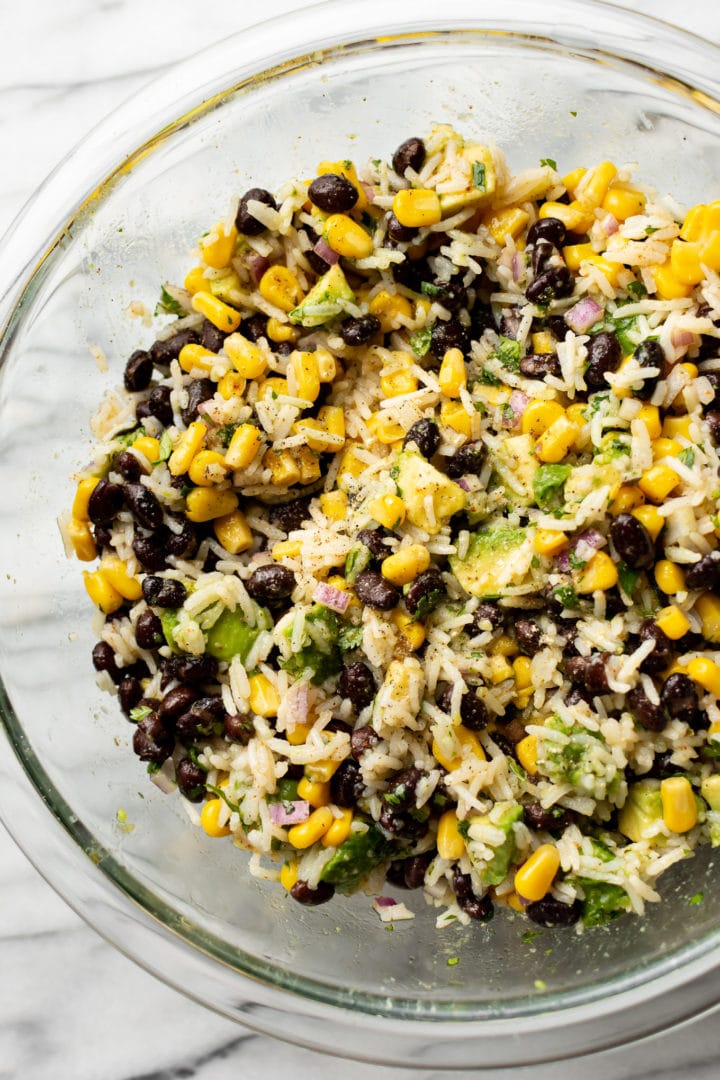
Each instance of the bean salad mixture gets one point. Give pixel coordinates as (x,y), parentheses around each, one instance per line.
(407,536)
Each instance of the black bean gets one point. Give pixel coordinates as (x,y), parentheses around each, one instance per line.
(283,348)
(129,693)
(542,253)
(416,868)
(554,282)
(238,727)
(357,684)
(550,912)
(158,405)
(529,636)
(138,371)
(633,542)
(409,155)
(363,739)
(481,319)
(425,593)
(195,669)
(322,892)
(553,820)
(163,592)
(177,702)
(105,502)
(557,326)
(183,543)
(473,711)
(211,338)
(290,515)
(148,630)
(103,658)
(664,652)
(128,466)
(244,220)
(512,732)
(346,784)
(374,539)
(190,779)
(549,229)
(255,327)
(713,378)
(401,791)
(646,714)
(199,390)
(578,694)
(165,351)
(510,322)
(143,505)
(425,435)
(461,884)
(401,234)
(332,193)
(102,536)
(375,591)
(679,699)
(451,294)
(270,584)
(152,741)
(589,671)
(487,613)
(649,354)
(449,335)
(150,551)
(604,354)
(538,365)
(200,719)
(663,766)
(469,459)
(479,908)
(713,423)
(358,331)
(704,574)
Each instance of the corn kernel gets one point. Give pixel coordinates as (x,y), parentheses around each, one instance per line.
(658,481)
(649,415)
(322,771)
(417,208)
(233,532)
(210,818)
(82,540)
(594,186)
(308,463)
(534,879)
(280,287)
(207,468)
(148,447)
(280,332)
(677,427)
(572,179)
(388,510)
(115,571)
(283,466)
(413,632)
(710,251)
(693,227)
(243,447)
(306,376)
(526,751)
(397,382)
(466,739)
(334,505)
(679,809)
(549,541)
(539,416)
(219,246)
(628,498)
(287,549)
(691,370)
(347,237)
(673,622)
(503,645)
(272,388)
(500,670)
(506,223)
(351,466)
(623,203)
(575,254)
(84,490)
(195,280)
(452,377)
(339,830)
(248,358)
(405,565)
(332,417)
(668,285)
(221,315)
(310,831)
(572,216)
(297,735)
(384,428)
(450,843)
(316,792)
(205,504)
(669,577)
(651,518)
(289,875)
(600,573)
(521,667)
(685,262)
(513,901)
(556,441)
(103,595)
(231,385)
(708,608)
(454,415)
(263,699)
(706,672)
(543,342)
(610,270)
(187,446)
(391,309)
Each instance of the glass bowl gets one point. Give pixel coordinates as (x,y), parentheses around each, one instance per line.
(576,81)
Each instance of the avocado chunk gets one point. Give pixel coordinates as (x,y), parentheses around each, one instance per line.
(415,479)
(496,870)
(642,809)
(319,653)
(603,902)
(483,182)
(516,465)
(231,636)
(168,621)
(497,556)
(355,858)
(710,791)
(324,301)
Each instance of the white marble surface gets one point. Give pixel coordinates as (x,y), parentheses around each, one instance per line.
(71,1007)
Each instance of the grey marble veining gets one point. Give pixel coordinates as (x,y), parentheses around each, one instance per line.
(71,1007)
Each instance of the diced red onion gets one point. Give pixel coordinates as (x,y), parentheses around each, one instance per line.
(583,315)
(165,777)
(258,265)
(680,338)
(369,192)
(462,482)
(518,403)
(329,597)
(518,265)
(326,253)
(562,561)
(280,815)
(384,902)
(591,538)
(299,702)
(610,224)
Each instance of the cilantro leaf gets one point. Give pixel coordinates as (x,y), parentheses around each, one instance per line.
(508,353)
(478,176)
(549,161)
(628,579)
(167,304)
(226,432)
(637,289)
(139,713)
(429,288)
(687,456)
(350,637)
(566,595)
(420,340)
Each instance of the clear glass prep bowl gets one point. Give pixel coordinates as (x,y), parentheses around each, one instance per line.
(574,81)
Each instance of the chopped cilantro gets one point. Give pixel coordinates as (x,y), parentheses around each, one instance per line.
(696,899)
(478,176)
(127,438)
(167,304)
(220,792)
(430,289)
(637,289)
(573,112)
(575,562)
(650,230)
(420,341)
(226,432)
(508,413)
(548,483)
(628,579)
(508,353)
(549,161)
(486,378)
(358,558)
(566,595)
(453,961)
(687,456)
(530,935)
(350,637)
(139,713)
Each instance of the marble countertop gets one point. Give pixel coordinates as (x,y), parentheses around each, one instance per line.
(71,1007)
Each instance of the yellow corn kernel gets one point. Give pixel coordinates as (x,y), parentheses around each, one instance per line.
(658,481)
(549,541)
(289,875)
(219,246)
(668,285)
(347,237)
(84,490)
(708,608)
(417,208)
(534,879)
(628,498)
(521,667)
(248,358)
(500,670)
(556,441)
(283,466)
(710,251)
(243,447)
(210,818)
(187,446)
(207,468)
(513,901)
(332,417)
(611,270)
(233,532)
(280,287)
(195,280)
(539,416)
(351,466)
(450,843)
(691,369)
(506,223)
(316,792)
(384,428)
(388,510)
(334,505)
(114,570)
(339,830)
(503,646)
(706,673)
(572,215)
(413,632)
(649,415)
(466,738)
(685,262)
(677,427)
(390,309)
(103,595)
(310,831)
(594,185)
(405,565)
(663,447)
(669,577)
(572,179)
(623,203)
(304,368)
(679,809)
(231,385)
(263,699)
(221,315)
(272,388)
(651,518)
(694,224)
(206,504)
(673,622)
(543,342)
(574,254)
(322,771)
(287,549)
(81,539)
(452,376)
(148,447)
(297,735)
(600,573)
(400,381)
(527,751)
(278,331)
(454,415)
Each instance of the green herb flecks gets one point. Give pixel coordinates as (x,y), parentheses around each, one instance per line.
(168,305)
(549,161)
(478,176)
(420,341)
(687,456)
(628,579)
(548,484)
(139,713)
(509,353)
